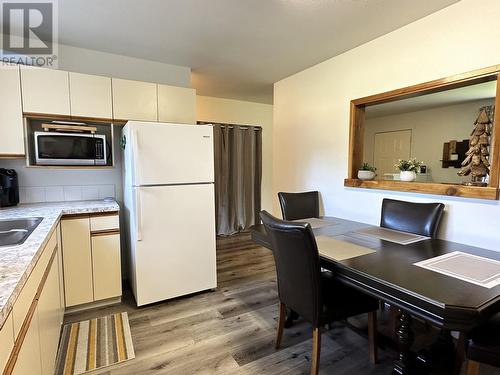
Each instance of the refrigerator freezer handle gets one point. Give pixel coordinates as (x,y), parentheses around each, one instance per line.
(135,148)
(138,217)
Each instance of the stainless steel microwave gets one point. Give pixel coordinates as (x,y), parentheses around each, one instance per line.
(53,148)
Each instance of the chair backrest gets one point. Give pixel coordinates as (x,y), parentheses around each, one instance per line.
(297,266)
(296,206)
(418,218)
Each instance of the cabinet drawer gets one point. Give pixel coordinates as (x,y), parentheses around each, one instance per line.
(104,222)
(25,298)
(6,342)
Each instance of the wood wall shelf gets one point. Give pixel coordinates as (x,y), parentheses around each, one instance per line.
(451,190)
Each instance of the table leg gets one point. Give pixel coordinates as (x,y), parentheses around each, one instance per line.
(404,365)
(459,354)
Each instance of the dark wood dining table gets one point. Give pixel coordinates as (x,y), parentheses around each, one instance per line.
(390,275)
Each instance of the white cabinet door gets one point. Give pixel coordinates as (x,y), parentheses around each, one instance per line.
(106,266)
(29,359)
(176,104)
(90,96)
(45,91)
(134,100)
(11,112)
(6,341)
(77,261)
(49,319)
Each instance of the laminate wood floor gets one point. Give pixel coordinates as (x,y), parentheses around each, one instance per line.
(231,330)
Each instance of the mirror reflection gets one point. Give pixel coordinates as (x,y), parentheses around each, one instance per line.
(447,132)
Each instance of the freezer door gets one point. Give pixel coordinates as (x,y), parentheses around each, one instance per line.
(175,247)
(172,154)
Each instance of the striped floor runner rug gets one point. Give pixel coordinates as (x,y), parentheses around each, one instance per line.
(92,344)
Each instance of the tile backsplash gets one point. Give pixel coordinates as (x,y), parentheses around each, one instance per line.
(58,193)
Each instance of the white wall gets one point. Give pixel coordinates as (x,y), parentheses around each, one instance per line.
(430,129)
(83,60)
(311,112)
(244,113)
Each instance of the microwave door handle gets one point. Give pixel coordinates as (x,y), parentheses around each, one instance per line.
(138,214)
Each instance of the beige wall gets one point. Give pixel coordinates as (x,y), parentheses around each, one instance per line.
(311,112)
(245,113)
(430,129)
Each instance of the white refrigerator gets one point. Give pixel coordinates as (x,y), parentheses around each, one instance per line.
(169,209)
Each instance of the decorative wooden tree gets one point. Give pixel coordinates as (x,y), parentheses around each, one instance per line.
(476,161)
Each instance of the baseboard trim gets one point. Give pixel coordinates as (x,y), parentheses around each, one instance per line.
(93,305)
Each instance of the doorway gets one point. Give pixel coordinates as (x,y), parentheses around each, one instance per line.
(238,176)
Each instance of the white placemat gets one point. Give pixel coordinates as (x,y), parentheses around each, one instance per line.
(467,267)
(335,249)
(316,223)
(402,238)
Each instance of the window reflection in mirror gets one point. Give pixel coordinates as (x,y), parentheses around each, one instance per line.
(433,128)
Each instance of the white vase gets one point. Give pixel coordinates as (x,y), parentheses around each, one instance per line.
(366,175)
(407,176)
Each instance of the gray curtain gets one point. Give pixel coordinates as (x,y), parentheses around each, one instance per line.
(238,176)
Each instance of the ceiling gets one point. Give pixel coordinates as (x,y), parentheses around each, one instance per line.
(236,48)
(480,91)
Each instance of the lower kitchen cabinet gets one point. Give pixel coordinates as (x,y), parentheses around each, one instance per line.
(6,341)
(86,249)
(29,360)
(77,261)
(61,271)
(91,258)
(50,315)
(106,266)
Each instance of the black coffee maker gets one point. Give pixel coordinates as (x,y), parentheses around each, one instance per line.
(9,188)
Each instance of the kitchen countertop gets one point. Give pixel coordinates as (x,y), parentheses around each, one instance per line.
(17,262)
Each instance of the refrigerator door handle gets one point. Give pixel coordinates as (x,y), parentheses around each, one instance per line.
(138,219)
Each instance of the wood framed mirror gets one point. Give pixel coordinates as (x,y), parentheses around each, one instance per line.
(432,122)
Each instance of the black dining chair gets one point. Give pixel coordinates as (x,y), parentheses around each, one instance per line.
(483,346)
(317,296)
(296,206)
(417,218)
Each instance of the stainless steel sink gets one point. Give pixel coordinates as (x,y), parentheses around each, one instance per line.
(16,231)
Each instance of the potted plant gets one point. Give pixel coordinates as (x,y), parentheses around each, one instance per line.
(408,169)
(366,172)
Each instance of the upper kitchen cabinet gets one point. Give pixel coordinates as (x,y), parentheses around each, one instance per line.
(11,113)
(90,96)
(134,100)
(45,91)
(176,104)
